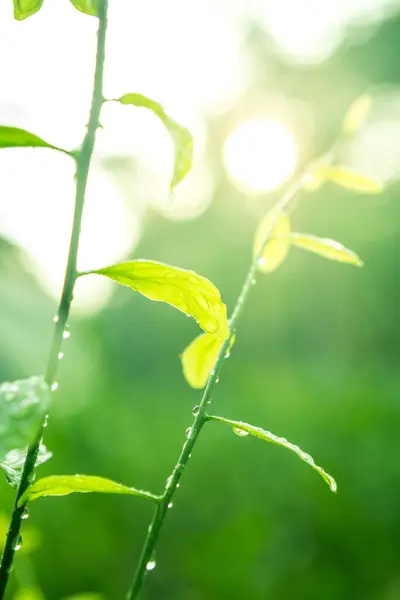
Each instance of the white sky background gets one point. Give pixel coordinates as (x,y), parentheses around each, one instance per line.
(185,54)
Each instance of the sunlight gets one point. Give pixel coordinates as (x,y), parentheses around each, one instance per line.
(260,155)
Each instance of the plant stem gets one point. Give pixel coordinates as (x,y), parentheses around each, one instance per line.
(160,512)
(83,160)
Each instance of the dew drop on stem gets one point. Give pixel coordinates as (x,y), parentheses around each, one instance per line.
(54,386)
(151,565)
(17,545)
(66,334)
(196,410)
(60,355)
(25,513)
(188,432)
(170,505)
(56,319)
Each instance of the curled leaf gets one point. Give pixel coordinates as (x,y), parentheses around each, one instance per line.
(26,8)
(326,248)
(89,7)
(199,357)
(13,463)
(262,434)
(349,179)
(23,404)
(14,137)
(278,245)
(356,115)
(181,137)
(187,291)
(62,485)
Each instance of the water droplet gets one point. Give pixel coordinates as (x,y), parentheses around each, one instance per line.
(17,545)
(56,319)
(169,481)
(196,410)
(240,432)
(25,513)
(46,420)
(66,334)
(10,569)
(54,386)
(170,505)
(188,432)
(217,380)
(60,355)
(151,565)
(178,485)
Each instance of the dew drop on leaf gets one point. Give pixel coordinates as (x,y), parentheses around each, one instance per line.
(151,565)
(240,432)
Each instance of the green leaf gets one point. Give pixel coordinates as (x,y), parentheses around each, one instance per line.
(87,596)
(23,405)
(356,115)
(277,247)
(62,485)
(181,138)
(199,357)
(326,248)
(13,137)
(26,8)
(349,179)
(187,291)
(242,428)
(14,461)
(89,7)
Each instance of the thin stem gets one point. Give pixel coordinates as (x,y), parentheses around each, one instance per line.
(83,163)
(156,524)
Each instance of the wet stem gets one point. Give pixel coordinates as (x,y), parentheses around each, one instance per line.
(146,560)
(83,159)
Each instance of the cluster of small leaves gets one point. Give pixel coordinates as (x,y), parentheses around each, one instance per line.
(26,8)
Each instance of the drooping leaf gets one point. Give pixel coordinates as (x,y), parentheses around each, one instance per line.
(199,357)
(326,248)
(26,8)
(89,7)
(62,485)
(240,426)
(14,137)
(187,291)
(356,115)
(349,179)
(23,405)
(181,137)
(278,246)
(13,463)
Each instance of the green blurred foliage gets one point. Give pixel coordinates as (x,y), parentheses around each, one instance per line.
(315,360)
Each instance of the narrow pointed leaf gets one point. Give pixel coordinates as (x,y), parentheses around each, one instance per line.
(278,246)
(198,359)
(181,137)
(13,463)
(62,485)
(26,8)
(326,248)
(356,115)
(14,137)
(349,179)
(187,291)
(240,426)
(89,7)
(23,405)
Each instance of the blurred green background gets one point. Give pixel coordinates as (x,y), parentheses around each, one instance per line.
(316,360)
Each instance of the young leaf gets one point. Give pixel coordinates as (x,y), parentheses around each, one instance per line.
(23,405)
(326,248)
(349,179)
(14,460)
(187,291)
(181,138)
(89,7)
(278,246)
(62,485)
(29,593)
(14,137)
(198,359)
(239,426)
(26,8)
(356,115)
